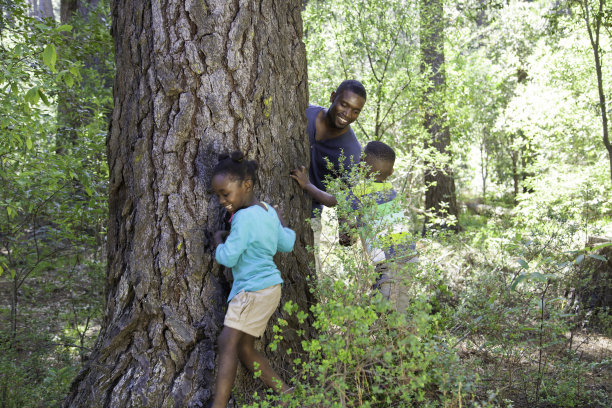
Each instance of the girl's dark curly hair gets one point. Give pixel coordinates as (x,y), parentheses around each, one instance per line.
(236,166)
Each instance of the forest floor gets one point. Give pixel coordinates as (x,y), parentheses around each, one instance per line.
(51,341)
(573,362)
(57,321)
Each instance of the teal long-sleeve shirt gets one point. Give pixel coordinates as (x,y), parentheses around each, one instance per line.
(256,234)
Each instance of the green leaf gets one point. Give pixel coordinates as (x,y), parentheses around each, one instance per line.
(538,276)
(1,270)
(523,263)
(518,280)
(50,56)
(75,72)
(607,244)
(600,257)
(29,144)
(43,96)
(32,96)
(64,27)
(69,80)
(579,259)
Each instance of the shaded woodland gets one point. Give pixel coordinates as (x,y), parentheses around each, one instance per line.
(111,118)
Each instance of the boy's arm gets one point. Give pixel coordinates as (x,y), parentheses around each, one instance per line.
(301,176)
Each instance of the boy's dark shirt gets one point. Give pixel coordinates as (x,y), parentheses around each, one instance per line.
(345,144)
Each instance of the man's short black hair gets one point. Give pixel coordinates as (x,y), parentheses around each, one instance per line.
(352,85)
(380,151)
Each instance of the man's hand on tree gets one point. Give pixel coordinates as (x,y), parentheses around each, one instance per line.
(301,176)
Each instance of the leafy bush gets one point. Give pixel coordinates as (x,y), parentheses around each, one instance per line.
(55,101)
(365,352)
(37,374)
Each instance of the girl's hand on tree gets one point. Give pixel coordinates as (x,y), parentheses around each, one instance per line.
(220,237)
(301,176)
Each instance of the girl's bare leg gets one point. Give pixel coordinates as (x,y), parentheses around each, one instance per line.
(228,341)
(249,356)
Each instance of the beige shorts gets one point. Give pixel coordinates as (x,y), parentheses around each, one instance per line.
(249,312)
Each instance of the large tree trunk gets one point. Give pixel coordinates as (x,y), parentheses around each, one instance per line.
(440,197)
(194,79)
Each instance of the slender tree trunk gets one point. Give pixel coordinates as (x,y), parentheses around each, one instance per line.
(516,181)
(46,9)
(69,7)
(69,119)
(194,79)
(602,108)
(440,197)
(14,290)
(597,55)
(484,165)
(33,7)
(41,9)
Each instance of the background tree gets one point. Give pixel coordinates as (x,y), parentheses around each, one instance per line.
(47,232)
(41,9)
(193,80)
(374,42)
(440,196)
(74,110)
(595,18)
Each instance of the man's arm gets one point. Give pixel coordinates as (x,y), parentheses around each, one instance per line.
(301,176)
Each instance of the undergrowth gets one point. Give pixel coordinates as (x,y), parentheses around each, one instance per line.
(491,323)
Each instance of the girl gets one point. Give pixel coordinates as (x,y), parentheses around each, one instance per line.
(256,233)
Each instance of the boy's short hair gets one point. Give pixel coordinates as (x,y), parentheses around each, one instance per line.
(380,151)
(352,85)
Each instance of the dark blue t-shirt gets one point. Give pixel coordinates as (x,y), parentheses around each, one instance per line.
(344,145)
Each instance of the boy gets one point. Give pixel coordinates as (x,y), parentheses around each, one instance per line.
(381,225)
(381,222)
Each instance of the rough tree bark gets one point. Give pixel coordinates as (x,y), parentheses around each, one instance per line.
(194,79)
(440,197)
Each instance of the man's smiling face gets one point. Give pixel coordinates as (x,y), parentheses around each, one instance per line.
(345,108)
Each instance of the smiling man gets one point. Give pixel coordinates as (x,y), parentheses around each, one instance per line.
(331,137)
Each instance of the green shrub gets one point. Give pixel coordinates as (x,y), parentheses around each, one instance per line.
(366,353)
